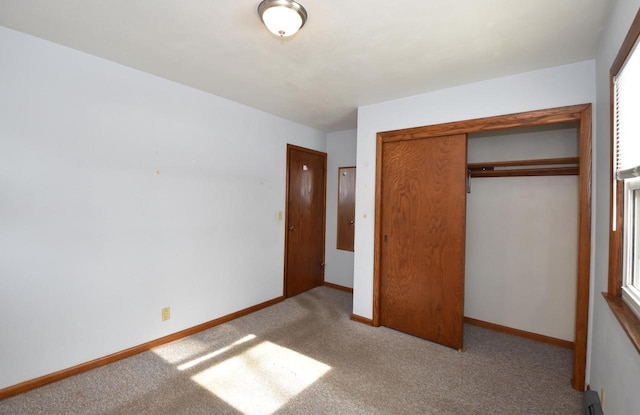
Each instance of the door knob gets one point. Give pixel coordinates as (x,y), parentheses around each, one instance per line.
(292,228)
(350,222)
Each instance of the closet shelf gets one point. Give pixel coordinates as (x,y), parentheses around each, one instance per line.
(566,166)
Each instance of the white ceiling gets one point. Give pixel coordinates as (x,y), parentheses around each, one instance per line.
(350,53)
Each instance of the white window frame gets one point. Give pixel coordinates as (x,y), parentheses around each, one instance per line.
(630,292)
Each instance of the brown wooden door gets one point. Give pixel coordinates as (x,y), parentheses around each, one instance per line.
(304,256)
(423,235)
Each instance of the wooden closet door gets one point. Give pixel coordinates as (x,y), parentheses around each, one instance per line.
(423,235)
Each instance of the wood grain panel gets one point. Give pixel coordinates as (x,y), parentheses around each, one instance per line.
(627,45)
(304,255)
(555,171)
(423,234)
(584,252)
(616,199)
(346,208)
(628,320)
(377,232)
(616,240)
(501,122)
(532,162)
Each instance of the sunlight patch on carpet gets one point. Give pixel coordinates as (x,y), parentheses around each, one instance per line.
(262,379)
(181,350)
(211,355)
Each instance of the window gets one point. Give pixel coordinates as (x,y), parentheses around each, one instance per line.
(624,243)
(631,245)
(626,90)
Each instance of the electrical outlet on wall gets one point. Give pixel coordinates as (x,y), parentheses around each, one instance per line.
(166,313)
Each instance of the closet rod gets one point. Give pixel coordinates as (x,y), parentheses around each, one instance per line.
(565,166)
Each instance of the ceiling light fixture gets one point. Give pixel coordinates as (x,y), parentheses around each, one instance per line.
(282,17)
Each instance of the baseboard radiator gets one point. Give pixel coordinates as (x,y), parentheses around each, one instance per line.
(591,403)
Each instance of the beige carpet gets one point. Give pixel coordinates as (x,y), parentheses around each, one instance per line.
(304,356)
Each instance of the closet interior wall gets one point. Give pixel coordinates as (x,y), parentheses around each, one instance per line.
(522,234)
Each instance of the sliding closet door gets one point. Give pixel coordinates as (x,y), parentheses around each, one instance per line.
(422,237)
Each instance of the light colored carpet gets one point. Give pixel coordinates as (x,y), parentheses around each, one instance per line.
(304,356)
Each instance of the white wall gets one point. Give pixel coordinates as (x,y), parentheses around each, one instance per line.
(522,235)
(341,152)
(615,364)
(553,87)
(93,243)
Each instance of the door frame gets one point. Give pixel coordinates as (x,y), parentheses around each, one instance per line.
(286,214)
(575,113)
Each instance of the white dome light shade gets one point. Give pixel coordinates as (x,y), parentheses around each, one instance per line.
(282,17)
(282,21)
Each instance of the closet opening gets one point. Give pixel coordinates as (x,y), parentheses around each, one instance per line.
(522,231)
(529,175)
